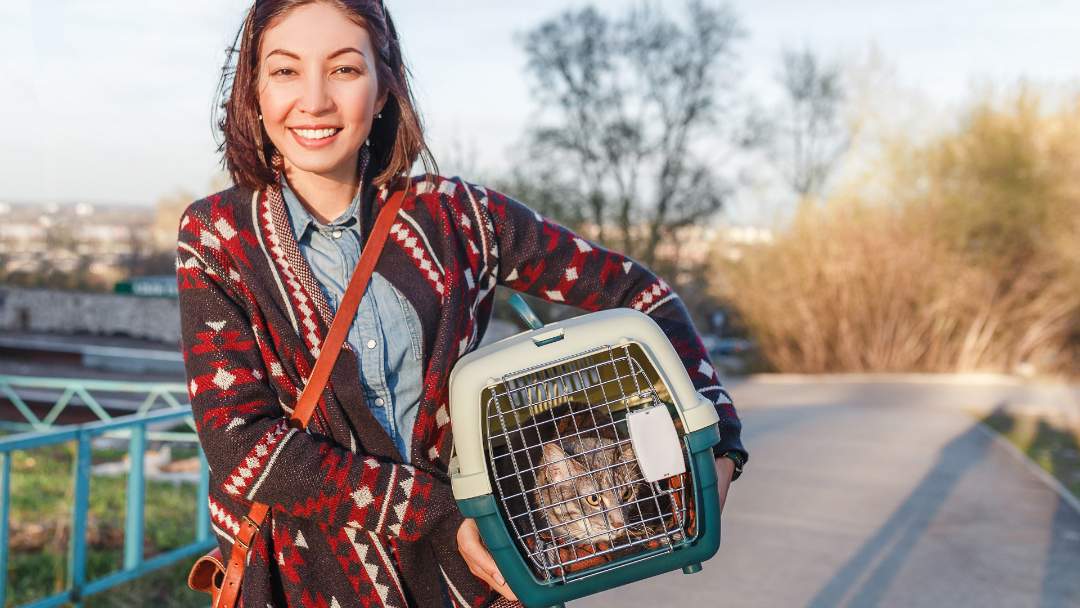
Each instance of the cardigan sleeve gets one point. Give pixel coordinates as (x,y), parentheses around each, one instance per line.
(253,452)
(541,258)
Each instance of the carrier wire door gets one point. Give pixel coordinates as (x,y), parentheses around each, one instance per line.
(563,463)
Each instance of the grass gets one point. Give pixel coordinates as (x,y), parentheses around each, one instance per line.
(1052,444)
(41,499)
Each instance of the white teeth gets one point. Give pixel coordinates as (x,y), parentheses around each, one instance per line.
(315,133)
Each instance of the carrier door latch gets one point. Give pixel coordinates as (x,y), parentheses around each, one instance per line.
(656,443)
(549,337)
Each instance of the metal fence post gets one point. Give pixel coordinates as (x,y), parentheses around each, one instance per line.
(136,496)
(5,510)
(203,530)
(80,510)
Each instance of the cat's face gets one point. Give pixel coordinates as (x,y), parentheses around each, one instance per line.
(585,506)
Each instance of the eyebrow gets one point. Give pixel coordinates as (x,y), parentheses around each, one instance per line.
(347,49)
(336,53)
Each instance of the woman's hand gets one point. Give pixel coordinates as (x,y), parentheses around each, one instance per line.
(479,560)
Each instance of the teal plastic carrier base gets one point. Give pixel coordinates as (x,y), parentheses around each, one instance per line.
(688,555)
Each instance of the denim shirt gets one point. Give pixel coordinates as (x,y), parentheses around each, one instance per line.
(385,334)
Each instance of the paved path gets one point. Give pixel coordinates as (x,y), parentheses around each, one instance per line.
(878,495)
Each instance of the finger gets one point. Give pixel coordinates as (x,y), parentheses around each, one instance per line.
(502,589)
(483,566)
(506,592)
(480,558)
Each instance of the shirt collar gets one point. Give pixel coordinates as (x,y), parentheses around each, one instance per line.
(301,219)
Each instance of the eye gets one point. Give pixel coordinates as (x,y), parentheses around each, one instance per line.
(593,500)
(628,492)
(282,72)
(347,69)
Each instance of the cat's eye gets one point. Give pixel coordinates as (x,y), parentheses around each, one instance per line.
(628,493)
(593,500)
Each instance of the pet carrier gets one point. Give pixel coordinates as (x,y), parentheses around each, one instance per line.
(584,454)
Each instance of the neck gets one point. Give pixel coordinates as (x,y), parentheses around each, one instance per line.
(325,195)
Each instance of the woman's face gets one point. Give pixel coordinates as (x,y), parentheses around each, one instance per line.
(317,89)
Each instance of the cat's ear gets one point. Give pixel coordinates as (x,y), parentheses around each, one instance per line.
(553,453)
(557,465)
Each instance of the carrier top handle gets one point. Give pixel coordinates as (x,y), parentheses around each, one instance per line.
(521,307)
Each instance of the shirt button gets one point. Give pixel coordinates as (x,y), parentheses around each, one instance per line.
(336,234)
(371,343)
(379,401)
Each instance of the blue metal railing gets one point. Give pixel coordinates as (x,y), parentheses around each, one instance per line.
(136,427)
(137,397)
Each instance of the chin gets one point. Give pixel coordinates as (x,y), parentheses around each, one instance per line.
(319,163)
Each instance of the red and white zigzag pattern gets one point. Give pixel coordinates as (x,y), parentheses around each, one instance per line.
(405,236)
(375,562)
(257,459)
(300,300)
(442,419)
(652,297)
(223,519)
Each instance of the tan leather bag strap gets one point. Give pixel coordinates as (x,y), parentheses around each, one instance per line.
(309,397)
(343,319)
(234,568)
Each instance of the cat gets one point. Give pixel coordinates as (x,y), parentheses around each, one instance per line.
(581,506)
(567,478)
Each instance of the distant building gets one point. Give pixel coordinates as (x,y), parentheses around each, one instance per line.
(102,242)
(693,245)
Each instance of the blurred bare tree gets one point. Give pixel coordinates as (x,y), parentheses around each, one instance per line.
(542,189)
(632,115)
(807,136)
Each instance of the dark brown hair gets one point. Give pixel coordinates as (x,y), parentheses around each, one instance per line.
(397,139)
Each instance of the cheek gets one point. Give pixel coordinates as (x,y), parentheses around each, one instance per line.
(356,102)
(274,104)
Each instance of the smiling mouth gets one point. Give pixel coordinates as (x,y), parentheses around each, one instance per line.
(316,134)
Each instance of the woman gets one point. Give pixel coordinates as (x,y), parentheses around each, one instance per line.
(320,129)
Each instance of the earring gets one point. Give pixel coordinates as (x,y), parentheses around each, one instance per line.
(260,117)
(379,115)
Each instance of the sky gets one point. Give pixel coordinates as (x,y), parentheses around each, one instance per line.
(109,101)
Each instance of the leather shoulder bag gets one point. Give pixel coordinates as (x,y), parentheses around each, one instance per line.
(211,574)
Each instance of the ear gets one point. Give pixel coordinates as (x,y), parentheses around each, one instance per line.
(553,454)
(380,103)
(557,465)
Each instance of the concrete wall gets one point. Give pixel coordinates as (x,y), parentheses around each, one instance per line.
(66,312)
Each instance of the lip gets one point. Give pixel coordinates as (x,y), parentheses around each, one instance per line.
(315,144)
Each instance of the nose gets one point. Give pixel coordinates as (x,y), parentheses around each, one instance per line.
(617,520)
(316,98)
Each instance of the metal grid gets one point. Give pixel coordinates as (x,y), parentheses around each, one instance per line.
(578,403)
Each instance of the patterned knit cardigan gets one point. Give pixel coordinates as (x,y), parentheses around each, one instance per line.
(350,524)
